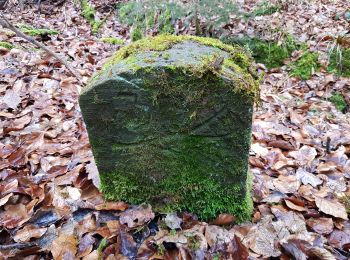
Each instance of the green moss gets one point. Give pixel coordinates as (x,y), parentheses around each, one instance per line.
(265,8)
(6,45)
(27,29)
(340,62)
(247,81)
(269,53)
(183,169)
(338,100)
(305,66)
(136,33)
(89,13)
(112,40)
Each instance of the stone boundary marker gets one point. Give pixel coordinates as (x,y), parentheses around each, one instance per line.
(169,122)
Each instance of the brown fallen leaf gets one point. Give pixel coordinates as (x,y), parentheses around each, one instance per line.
(321,225)
(137,216)
(331,207)
(223,219)
(28,232)
(64,247)
(305,155)
(281,144)
(14,215)
(112,206)
(293,206)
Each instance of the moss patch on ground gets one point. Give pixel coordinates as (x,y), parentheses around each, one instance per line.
(112,40)
(269,53)
(339,102)
(30,30)
(305,66)
(6,45)
(89,13)
(339,62)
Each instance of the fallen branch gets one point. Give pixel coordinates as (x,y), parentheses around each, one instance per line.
(6,24)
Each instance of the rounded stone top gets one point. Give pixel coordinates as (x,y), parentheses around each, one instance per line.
(196,56)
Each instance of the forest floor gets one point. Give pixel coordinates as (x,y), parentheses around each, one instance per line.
(49,202)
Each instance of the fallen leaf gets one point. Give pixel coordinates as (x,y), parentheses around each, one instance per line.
(112,206)
(28,232)
(11,99)
(321,225)
(331,207)
(137,216)
(305,155)
(64,247)
(173,221)
(223,219)
(308,178)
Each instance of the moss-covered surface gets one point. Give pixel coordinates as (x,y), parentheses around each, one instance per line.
(339,102)
(305,66)
(264,8)
(27,29)
(89,13)
(169,122)
(6,45)
(269,53)
(112,40)
(339,62)
(246,81)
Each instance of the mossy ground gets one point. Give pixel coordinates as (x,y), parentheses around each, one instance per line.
(89,13)
(339,102)
(6,45)
(112,40)
(305,66)
(340,62)
(269,53)
(30,30)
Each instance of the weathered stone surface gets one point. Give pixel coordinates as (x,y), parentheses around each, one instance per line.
(169,122)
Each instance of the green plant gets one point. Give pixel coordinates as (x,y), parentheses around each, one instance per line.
(112,40)
(6,45)
(89,13)
(30,30)
(265,8)
(339,102)
(156,15)
(305,66)
(339,53)
(102,245)
(269,53)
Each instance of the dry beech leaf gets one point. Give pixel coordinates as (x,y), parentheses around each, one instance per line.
(137,216)
(331,207)
(28,232)
(305,155)
(308,178)
(224,219)
(112,206)
(293,206)
(321,225)
(64,247)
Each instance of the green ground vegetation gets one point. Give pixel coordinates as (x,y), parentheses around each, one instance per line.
(305,66)
(269,53)
(339,102)
(112,40)
(6,45)
(339,62)
(30,30)
(89,13)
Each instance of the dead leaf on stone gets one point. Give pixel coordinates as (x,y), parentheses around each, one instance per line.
(331,207)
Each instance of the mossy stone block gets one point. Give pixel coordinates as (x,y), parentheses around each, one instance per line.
(169,122)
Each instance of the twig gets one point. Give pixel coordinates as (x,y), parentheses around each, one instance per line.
(6,24)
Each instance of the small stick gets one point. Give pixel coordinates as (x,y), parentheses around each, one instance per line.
(6,24)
